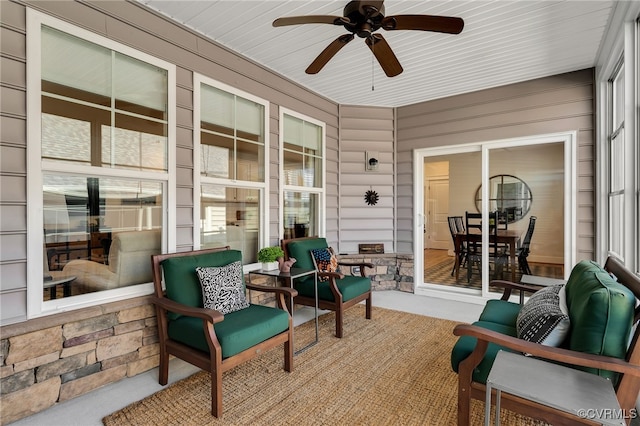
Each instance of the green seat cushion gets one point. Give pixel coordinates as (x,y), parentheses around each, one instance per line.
(181,280)
(466,344)
(240,330)
(601,312)
(350,287)
(500,312)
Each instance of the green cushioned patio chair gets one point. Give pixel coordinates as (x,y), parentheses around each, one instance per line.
(602,340)
(205,337)
(337,292)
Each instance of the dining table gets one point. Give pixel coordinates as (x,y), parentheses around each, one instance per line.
(508,237)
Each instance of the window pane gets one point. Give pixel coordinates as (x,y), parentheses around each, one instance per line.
(66,139)
(312,139)
(250,118)
(618,98)
(140,87)
(293,133)
(617,162)
(88,225)
(313,172)
(250,162)
(293,169)
(69,62)
(217,107)
(135,144)
(216,156)
(230,216)
(300,214)
(616,224)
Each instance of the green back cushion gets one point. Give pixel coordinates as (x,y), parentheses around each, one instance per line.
(301,251)
(601,312)
(181,280)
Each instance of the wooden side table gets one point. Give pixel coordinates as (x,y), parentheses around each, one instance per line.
(585,395)
(288,278)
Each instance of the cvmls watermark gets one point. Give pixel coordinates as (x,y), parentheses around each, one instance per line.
(607,413)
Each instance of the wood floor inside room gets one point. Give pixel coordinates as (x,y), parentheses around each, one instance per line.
(438,267)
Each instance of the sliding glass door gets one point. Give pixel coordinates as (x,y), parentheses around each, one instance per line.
(522,189)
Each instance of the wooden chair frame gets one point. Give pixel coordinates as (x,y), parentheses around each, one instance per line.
(338,306)
(626,390)
(212,361)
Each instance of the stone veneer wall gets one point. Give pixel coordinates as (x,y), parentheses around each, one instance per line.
(391,271)
(56,358)
(52,359)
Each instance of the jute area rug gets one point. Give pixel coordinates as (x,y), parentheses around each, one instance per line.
(391,370)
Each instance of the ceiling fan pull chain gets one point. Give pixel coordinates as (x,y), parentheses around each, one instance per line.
(372,66)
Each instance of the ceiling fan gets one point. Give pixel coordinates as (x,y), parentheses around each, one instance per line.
(364,18)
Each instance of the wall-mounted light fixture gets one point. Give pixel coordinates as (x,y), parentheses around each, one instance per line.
(371,161)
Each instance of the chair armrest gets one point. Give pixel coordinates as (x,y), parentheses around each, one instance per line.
(508,286)
(209,315)
(547,352)
(287,291)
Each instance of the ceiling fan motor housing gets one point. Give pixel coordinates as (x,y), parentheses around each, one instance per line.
(364,17)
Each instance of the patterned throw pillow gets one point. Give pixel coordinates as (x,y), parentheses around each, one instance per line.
(544,318)
(325,261)
(222,287)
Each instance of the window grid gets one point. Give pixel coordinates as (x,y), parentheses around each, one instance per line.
(231,159)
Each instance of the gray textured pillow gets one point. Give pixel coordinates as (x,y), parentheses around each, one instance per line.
(544,318)
(222,287)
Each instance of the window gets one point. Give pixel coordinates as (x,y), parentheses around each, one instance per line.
(99,169)
(616,162)
(231,159)
(618,76)
(302,150)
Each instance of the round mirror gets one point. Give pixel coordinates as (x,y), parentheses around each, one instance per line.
(509,195)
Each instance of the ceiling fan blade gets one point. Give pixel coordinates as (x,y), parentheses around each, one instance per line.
(328,53)
(385,56)
(440,24)
(311,19)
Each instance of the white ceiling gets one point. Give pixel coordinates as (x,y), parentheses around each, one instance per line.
(503,42)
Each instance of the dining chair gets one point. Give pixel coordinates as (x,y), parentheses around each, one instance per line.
(473,225)
(502,219)
(497,254)
(523,251)
(456,226)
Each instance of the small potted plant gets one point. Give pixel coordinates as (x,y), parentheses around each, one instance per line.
(269,257)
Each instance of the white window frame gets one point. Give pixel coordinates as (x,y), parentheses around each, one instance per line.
(36,167)
(321,191)
(623,41)
(198,80)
